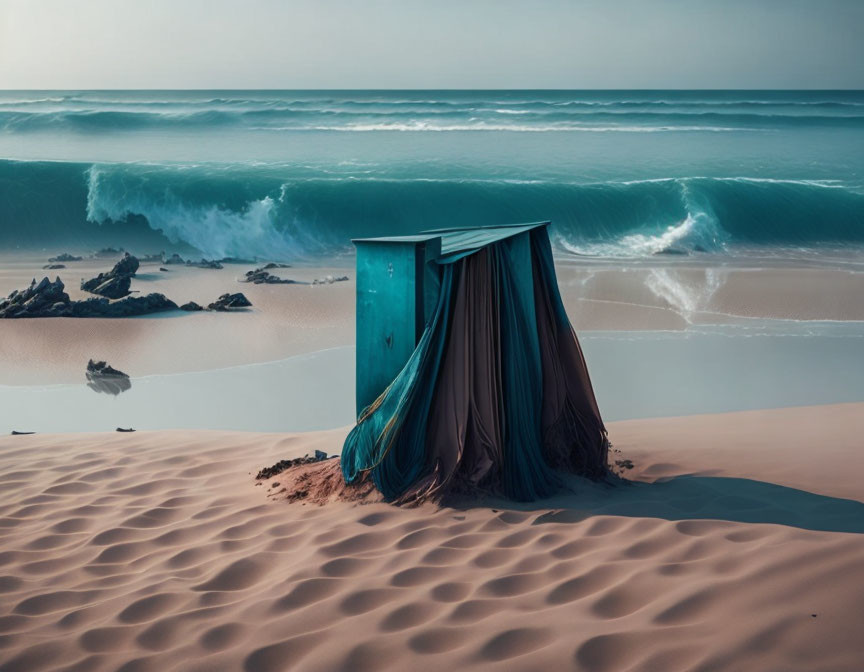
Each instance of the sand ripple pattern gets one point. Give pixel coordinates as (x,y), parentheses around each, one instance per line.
(156,552)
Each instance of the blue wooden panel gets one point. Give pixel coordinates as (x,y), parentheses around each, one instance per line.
(392,280)
(397,290)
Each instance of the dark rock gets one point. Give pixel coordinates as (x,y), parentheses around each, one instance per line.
(110,287)
(164,270)
(273,264)
(120,429)
(624,464)
(102,368)
(282,465)
(236,260)
(45,299)
(65,257)
(176,259)
(14,433)
(115,283)
(329,280)
(106,252)
(191,307)
(101,377)
(204,263)
(53,267)
(261,277)
(48,299)
(227,301)
(128,307)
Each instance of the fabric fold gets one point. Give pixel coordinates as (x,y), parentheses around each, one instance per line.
(495,398)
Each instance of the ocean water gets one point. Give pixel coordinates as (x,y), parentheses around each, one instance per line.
(295,174)
(635,374)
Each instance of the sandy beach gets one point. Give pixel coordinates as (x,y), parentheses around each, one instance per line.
(738,546)
(431,336)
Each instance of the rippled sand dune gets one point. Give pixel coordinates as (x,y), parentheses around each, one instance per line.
(739,546)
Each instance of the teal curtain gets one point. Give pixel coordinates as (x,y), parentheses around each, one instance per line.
(541,404)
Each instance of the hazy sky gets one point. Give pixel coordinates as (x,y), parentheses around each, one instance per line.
(431,44)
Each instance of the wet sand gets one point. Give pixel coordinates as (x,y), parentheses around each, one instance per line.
(293,319)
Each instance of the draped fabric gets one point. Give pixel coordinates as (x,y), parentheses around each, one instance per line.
(495,398)
(574,437)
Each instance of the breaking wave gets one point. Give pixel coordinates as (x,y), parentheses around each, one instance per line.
(258,211)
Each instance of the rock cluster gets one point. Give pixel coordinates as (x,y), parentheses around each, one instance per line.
(222,304)
(204,263)
(53,267)
(106,252)
(49,299)
(115,283)
(236,260)
(260,276)
(65,257)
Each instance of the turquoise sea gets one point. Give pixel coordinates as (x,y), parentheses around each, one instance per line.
(676,179)
(294,174)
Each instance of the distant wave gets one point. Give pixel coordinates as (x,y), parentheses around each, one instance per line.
(256,211)
(277,115)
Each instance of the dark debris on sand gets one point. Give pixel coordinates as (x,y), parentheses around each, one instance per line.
(282,465)
(318,481)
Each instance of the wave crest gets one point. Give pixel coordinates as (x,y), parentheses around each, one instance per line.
(258,211)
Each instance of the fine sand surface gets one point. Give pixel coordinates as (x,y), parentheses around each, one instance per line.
(287,320)
(740,547)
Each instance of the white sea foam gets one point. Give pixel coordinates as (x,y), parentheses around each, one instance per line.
(686,296)
(216,231)
(424,126)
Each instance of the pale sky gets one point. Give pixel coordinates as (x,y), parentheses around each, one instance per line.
(309,44)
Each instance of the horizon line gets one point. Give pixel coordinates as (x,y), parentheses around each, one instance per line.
(402,89)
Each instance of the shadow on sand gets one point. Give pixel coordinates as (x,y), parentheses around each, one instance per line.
(690,497)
